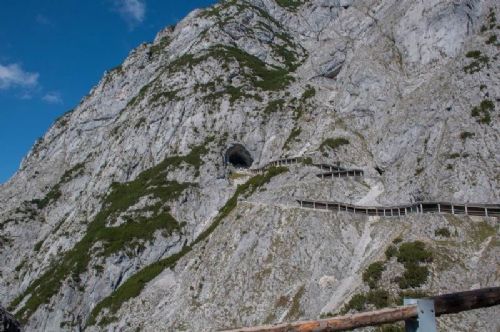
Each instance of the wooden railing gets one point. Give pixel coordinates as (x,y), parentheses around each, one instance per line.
(473,209)
(443,305)
(332,171)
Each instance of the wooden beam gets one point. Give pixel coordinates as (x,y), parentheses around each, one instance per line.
(444,304)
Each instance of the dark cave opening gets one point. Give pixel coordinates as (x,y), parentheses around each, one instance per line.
(238,156)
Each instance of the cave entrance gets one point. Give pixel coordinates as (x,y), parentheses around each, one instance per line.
(238,156)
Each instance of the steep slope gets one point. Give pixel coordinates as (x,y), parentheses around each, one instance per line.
(126,214)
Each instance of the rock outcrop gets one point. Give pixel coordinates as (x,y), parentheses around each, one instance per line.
(8,323)
(126,215)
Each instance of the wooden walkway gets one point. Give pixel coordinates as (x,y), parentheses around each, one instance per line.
(472,209)
(331,171)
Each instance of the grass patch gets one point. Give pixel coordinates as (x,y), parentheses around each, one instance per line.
(482,111)
(133,286)
(139,227)
(333,143)
(443,232)
(156,49)
(292,137)
(379,298)
(481,231)
(274,106)
(478,62)
(291,5)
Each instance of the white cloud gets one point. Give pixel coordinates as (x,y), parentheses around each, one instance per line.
(132,11)
(53,98)
(43,20)
(14,76)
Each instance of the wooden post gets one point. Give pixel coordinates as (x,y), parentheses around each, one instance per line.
(421,209)
(466,212)
(439,208)
(452,209)
(486,211)
(443,304)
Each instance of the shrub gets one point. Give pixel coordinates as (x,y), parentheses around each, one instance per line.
(380,298)
(308,93)
(491,40)
(413,253)
(473,54)
(414,276)
(333,143)
(357,302)
(444,232)
(466,134)
(479,62)
(391,251)
(482,111)
(373,273)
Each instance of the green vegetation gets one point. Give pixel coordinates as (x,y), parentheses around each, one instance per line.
(391,251)
(274,106)
(292,137)
(140,226)
(309,93)
(482,111)
(479,62)
(379,298)
(156,49)
(411,255)
(491,21)
(258,73)
(134,285)
(373,273)
(414,276)
(291,5)
(481,231)
(443,232)
(466,134)
(165,96)
(333,143)
(55,192)
(491,40)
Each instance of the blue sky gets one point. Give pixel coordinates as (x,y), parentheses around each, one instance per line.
(53,52)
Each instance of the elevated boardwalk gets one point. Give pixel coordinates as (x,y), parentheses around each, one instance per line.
(331,171)
(470,209)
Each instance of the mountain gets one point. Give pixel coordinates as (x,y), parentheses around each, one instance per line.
(127,214)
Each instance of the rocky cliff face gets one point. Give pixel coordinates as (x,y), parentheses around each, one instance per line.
(126,213)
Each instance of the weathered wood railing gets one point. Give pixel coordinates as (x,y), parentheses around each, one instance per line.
(336,170)
(443,305)
(473,209)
